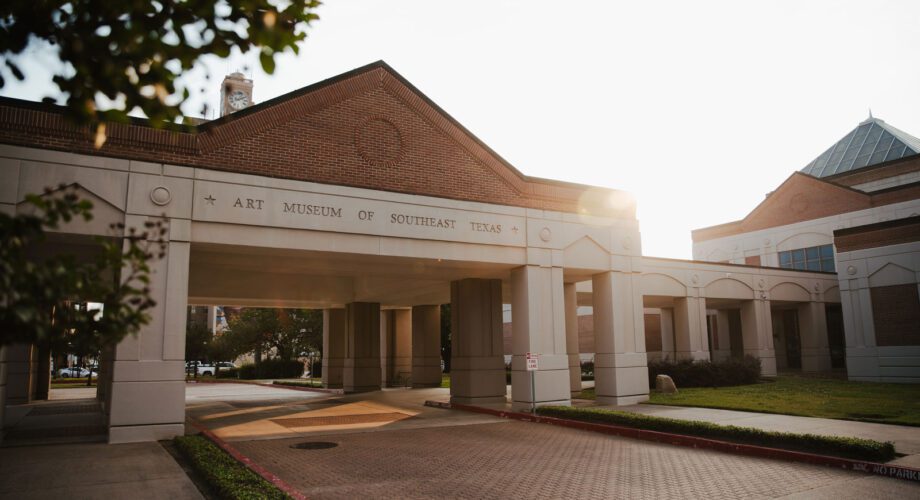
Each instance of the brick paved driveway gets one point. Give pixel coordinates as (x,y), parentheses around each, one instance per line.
(524,460)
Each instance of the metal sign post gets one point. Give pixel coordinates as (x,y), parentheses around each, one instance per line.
(533,364)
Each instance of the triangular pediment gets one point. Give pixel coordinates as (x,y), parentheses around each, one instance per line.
(803,197)
(105,215)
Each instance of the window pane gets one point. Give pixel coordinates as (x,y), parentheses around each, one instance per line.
(798,255)
(827,251)
(827,265)
(785,259)
(814,265)
(799,265)
(811,253)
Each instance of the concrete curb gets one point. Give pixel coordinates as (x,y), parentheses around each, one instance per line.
(895,471)
(280,386)
(249,463)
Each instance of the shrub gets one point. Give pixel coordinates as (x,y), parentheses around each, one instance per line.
(688,373)
(860,449)
(229,373)
(228,478)
(269,368)
(587,370)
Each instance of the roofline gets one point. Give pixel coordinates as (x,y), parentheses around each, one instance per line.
(870,168)
(692,261)
(380,64)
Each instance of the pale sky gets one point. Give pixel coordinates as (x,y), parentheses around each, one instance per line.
(697,108)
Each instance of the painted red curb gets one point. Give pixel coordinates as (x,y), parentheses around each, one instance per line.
(249,463)
(895,471)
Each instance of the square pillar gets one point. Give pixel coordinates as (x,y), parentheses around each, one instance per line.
(757,334)
(620,363)
(20,380)
(477,362)
(816,354)
(42,368)
(538,326)
(690,332)
(333,348)
(146,398)
(396,346)
(570,297)
(426,346)
(361,371)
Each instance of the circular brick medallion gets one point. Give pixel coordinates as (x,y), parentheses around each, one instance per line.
(379,142)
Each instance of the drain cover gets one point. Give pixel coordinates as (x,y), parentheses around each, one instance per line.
(314,445)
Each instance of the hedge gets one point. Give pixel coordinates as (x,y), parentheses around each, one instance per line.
(227,477)
(854,448)
(689,373)
(269,368)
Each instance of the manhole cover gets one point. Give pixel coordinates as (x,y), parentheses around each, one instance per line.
(314,445)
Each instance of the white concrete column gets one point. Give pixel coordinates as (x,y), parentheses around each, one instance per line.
(620,364)
(19,381)
(757,334)
(538,326)
(690,337)
(723,331)
(477,362)
(3,375)
(212,318)
(147,397)
(333,347)
(361,371)
(396,329)
(426,346)
(571,336)
(668,345)
(816,354)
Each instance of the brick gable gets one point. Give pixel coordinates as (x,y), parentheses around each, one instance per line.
(368,128)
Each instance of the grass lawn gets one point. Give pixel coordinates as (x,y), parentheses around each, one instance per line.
(809,397)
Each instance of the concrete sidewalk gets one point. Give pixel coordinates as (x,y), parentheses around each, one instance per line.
(93,470)
(906,439)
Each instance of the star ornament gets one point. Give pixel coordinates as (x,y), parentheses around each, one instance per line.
(210,199)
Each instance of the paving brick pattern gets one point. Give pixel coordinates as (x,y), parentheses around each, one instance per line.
(524,460)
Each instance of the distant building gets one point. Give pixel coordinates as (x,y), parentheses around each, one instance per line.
(854,210)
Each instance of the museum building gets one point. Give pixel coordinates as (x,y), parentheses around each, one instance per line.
(361,197)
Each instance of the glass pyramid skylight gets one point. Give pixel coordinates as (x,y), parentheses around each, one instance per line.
(870,143)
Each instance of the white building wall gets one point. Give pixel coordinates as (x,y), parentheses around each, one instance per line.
(858,271)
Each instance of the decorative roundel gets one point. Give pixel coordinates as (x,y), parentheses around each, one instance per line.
(546,234)
(766,242)
(695,279)
(817,286)
(627,243)
(379,142)
(761,283)
(160,196)
(851,270)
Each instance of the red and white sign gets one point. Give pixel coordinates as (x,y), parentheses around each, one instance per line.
(533,361)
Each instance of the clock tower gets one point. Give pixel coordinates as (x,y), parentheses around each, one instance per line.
(235,93)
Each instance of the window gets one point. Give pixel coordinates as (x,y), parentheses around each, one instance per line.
(819,258)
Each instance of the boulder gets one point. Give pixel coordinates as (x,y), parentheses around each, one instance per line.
(664,384)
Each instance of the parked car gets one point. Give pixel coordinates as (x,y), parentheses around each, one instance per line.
(76,372)
(207,369)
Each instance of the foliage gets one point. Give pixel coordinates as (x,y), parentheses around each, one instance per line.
(43,299)
(811,397)
(445,336)
(197,341)
(300,383)
(270,368)
(228,478)
(290,332)
(860,449)
(689,373)
(133,51)
(587,370)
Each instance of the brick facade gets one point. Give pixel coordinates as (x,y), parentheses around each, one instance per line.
(368,128)
(803,197)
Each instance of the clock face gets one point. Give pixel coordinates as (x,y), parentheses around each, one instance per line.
(238,99)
